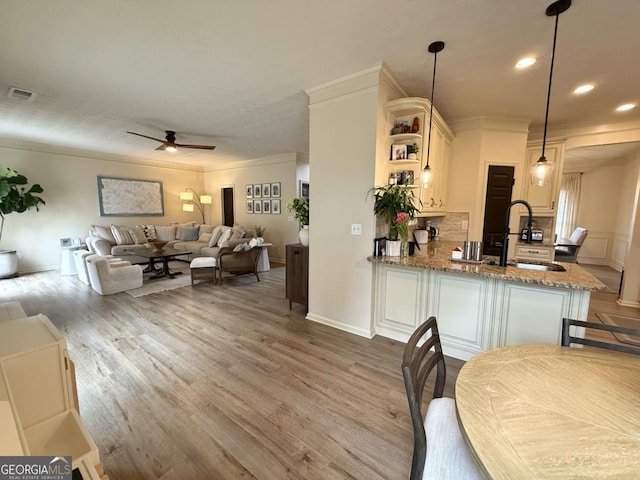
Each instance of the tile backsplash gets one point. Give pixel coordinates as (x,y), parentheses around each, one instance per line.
(449,226)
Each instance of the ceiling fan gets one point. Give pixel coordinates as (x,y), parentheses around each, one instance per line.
(170,145)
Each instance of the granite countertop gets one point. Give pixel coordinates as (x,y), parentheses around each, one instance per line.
(437,256)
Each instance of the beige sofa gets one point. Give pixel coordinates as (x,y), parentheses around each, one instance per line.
(201,240)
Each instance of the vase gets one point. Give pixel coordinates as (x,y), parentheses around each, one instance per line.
(407,249)
(303,235)
(259,240)
(393,248)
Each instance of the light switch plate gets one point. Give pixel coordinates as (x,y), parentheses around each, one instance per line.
(356,229)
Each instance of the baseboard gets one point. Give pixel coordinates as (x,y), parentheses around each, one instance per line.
(340,326)
(628,304)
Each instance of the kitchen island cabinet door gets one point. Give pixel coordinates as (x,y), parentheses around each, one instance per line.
(400,304)
(531,314)
(463,310)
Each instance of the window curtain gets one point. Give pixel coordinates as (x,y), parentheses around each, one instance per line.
(567,217)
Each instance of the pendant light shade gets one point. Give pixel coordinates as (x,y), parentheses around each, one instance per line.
(542,170)
(427,173)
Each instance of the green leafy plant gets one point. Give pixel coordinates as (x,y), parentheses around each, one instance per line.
(415,148)
(259,230)
(390,200)
(15,196)
(300,208)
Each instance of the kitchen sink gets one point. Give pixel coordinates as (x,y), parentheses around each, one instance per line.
(541,266)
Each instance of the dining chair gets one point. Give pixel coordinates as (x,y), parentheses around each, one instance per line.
(568,339)
(569,253)
(439,450)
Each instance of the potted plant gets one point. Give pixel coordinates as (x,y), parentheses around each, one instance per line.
(300,208)
(259,230)
(389,202)
(412,151)
(15,197)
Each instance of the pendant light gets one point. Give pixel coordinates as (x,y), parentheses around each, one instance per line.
(427,173)
(542,170)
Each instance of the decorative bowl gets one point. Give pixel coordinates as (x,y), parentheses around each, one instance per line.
(157,245)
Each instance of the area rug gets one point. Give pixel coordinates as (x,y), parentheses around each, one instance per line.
(163,284)
(621,321)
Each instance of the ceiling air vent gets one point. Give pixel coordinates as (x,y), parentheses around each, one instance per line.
(20,94)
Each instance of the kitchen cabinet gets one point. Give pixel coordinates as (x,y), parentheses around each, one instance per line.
(405,114)
(544,200)
(542,253)
(297,273)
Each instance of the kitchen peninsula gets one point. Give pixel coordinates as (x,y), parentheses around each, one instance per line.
(478,306)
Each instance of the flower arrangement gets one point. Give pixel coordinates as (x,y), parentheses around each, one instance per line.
(401,223)
(300,208)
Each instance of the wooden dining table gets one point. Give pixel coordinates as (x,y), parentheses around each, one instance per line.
(544,411)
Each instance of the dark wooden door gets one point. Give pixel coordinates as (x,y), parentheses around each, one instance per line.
(497,200)
(227,206)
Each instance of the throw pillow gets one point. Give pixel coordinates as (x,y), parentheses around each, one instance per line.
(224,238)
(121,234)
(204,238)
(215,236)
(149,232)
(206,229)
(178,228)
(253,242)
(189,234)
(137,234)
(165,233)
(236,234)
(239,247)
(103,232)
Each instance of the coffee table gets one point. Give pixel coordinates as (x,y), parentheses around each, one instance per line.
(165,255)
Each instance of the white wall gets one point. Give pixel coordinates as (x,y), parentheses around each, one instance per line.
(69,180)
(344,125)
(279,168)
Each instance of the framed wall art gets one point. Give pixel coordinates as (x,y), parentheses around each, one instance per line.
(275,189)
(275,206)
(257,206)
(266,190)
(127,197)
(248,191)
(266,206)
(257,191)
(249,206)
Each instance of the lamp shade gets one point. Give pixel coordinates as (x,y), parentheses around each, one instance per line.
(205,199)
(186,196)
(541,172)
(187,207)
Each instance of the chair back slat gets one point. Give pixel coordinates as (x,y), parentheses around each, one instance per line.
(568,339)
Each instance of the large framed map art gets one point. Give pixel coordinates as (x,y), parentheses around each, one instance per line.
(128,197)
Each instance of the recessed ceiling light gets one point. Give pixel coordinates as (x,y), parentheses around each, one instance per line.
(587,87)
(625,107)
(525,62)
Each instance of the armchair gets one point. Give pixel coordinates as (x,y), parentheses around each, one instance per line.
(569,251)
(239,263)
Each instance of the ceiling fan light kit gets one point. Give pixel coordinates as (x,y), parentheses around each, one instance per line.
(169,143)
(542,170)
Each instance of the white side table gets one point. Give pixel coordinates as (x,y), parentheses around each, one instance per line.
(68,265)
(263,259)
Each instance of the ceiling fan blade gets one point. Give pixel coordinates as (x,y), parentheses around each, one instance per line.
(162,147)
(200,147)
(146,136)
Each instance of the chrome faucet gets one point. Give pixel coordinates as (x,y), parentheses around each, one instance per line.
(505,241)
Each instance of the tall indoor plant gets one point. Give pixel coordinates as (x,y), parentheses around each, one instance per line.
(300,208)
(389,202)
(15,197)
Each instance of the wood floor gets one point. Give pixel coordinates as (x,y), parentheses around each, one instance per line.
(226,383)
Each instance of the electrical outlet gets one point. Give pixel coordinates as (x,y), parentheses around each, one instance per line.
(465,225)
(356,229)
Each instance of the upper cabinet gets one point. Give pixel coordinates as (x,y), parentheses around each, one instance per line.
(544,200)
(408,124)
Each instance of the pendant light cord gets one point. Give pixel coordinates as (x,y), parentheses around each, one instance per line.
(433,87)
(546,114)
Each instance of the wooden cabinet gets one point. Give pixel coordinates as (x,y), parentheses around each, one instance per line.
(544,253)
(297,283)
(415,111)
(544,200)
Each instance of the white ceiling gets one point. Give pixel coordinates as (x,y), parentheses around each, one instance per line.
(234,73)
